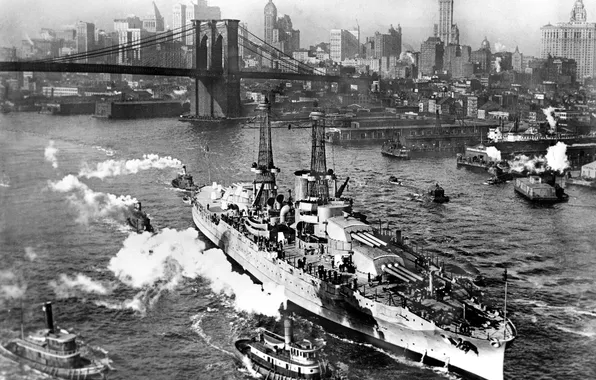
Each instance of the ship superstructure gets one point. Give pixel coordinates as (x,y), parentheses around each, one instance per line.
(336,265)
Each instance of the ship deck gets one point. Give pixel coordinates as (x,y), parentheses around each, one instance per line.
(445,310)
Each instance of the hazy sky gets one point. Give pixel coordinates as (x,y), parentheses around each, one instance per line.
(508,22)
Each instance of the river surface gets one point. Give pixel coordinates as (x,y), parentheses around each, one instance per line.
(158,317)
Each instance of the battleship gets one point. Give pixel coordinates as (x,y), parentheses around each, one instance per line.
(335,265)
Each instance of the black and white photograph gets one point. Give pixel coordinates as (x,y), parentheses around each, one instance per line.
(298,190)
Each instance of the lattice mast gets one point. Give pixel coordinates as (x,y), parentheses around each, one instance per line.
(265,187)
(318,185)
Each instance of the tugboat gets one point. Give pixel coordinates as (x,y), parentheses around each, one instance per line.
(184,181)
(139,220)
(395,149)
(334,264)
(54,352)
(438,194)
(280,357)
(535,190)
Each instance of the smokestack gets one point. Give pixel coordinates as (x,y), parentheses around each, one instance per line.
(288,330)
(49,318)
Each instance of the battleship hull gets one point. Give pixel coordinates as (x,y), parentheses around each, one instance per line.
(390,326)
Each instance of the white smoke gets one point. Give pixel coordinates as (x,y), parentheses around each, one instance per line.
(549,112)
(30,253)
(556,157)
(498,64)
(92,204)
(112,168)
(407,56)
(50,154)
(493,153)
(11,286)
(499,47)
(158,261)
(67,287)
(523,163)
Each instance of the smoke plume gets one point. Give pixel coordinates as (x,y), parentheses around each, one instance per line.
(112,168)
(30,253)
(523,163)
(556,157)
(498,64)
(493,153)
(50,154)
(92,204)
(549,112)
(499,47)
(67,287)
(158,262)
(11,286)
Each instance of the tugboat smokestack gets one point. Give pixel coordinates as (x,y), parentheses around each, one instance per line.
(288,330)
(47,308)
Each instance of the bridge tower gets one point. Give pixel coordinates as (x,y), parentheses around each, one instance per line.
(216,50)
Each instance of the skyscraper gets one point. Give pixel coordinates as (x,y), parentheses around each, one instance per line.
(270,21)
(431,56)
(154,21)
(85,36)
(343,45)
(447,31)
(387,45)
(178,19)
(575,39)
(199,11)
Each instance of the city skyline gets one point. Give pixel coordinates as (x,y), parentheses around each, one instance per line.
(501,21)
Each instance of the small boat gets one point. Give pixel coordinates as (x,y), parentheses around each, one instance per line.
(535,190)
(395,149)
(139,220)
(54,352)
(184,181)
(496,180)
(438,194)
(394,180)
(280,357)
(186,199)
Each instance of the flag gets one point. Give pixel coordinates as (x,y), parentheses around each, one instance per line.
(505,275)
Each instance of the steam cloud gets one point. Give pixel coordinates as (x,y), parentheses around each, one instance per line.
(549,117)
(493,153)
(92,204)
(68,287)
(50,154)
(498,64)
(158,262)
(499,47)
(112,168)
(11,287)
(30,253)
(556,157)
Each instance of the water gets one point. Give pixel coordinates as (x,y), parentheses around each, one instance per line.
(173,324)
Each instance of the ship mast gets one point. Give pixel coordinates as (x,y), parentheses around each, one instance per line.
(265,187)
(318,185)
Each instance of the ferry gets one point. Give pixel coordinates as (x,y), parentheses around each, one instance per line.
(54,352)
(335,265)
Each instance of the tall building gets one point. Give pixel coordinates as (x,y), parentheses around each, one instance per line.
(575,40)
(431,56)
(447,31)
(387,45)
(129,30)
(154,22)
(482,57)
(343,45)
(199,11)
(517,60)
(85,36)
(178,20)
(270,21)
(279,32)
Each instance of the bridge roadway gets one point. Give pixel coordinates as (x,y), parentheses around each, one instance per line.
(62,67)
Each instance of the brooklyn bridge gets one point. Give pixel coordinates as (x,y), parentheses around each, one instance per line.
(214,63)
